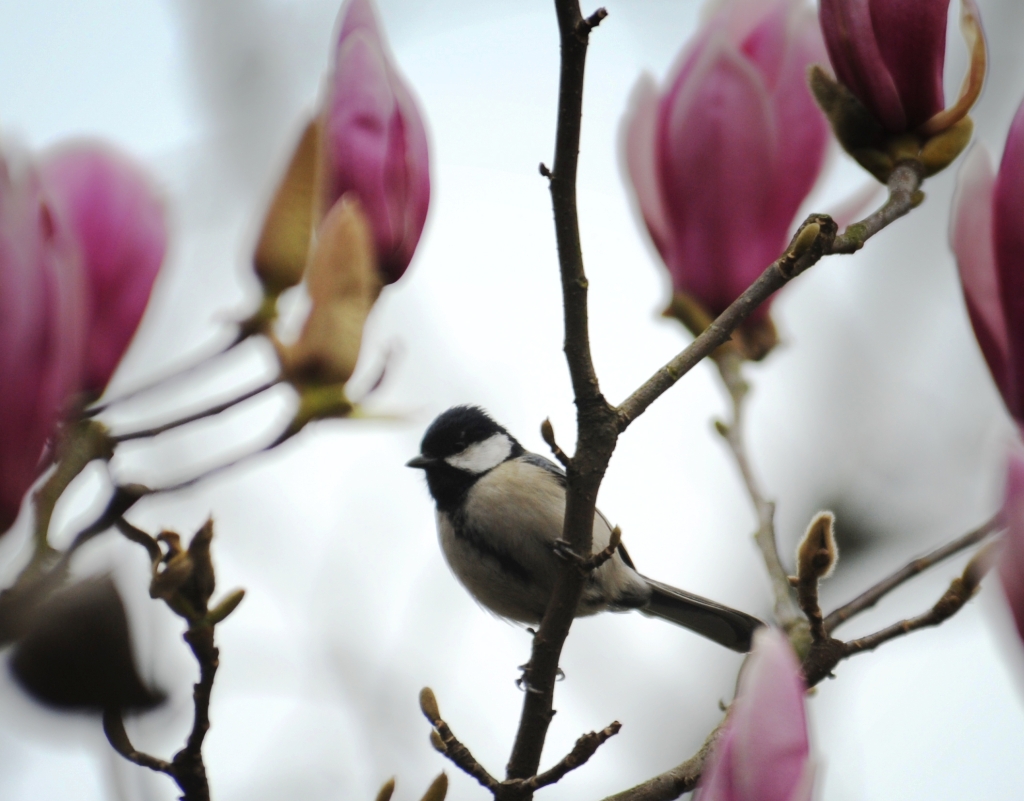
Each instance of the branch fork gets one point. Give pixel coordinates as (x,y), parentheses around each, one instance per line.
(445,742)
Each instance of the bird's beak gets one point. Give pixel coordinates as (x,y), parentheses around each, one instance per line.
(421,462)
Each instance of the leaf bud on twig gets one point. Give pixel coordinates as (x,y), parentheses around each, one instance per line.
(387,790)
(438,789)
(817,553)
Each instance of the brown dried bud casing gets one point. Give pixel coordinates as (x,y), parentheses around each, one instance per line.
(817,553)
(863,137)
(343,284)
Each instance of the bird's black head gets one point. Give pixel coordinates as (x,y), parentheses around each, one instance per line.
(460,446)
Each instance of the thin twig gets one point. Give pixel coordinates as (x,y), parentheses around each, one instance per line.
(870,597)
(191,482)
(673,783)
(729,366)
(113,728)
(99,408)
(904,184)
(547,432)
(448,744)
(213,410)
(586,746)
(823,657)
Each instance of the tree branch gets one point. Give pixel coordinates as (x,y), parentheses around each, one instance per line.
(586,746)
(729,366)
(960,591)
(870,597)
(448,744)
(213,410)
(673,783)
(803,252)
(596,429)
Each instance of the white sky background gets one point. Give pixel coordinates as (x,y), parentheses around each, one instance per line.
(878,404)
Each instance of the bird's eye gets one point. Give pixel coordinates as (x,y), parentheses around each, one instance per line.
(460,445)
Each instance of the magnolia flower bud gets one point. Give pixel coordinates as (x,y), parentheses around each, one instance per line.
(373,141)
(42,330)
(888,59)
(118,221)
(987,236)
(763,753)
(1011,558)
(724,155)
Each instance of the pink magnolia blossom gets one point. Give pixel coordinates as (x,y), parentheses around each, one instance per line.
(118,221)
(724,155)
(1011,559)
(42,329)
(374,142)
(763,752)
(987,236)
(890,54)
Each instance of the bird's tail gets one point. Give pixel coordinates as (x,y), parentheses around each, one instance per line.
(728,627)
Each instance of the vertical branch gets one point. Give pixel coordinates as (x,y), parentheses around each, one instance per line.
(596,419)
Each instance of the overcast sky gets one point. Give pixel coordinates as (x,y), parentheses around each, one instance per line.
(877,404)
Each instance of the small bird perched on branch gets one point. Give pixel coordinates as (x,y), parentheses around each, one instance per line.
(500,510)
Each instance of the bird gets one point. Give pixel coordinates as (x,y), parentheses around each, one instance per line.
(500,510)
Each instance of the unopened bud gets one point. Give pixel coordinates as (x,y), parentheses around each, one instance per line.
(387,790)
(437,790)
(817,554)
(280,257)
(428,705)
(437,742)
(547,432)
(343,284)
(225,607)
(804,240)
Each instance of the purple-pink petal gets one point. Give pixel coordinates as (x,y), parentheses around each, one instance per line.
(771,747)
(722,159)
(640,128)
(1008,228)
(375,143)
(764,752)
(857,59)
(119,223)
(716,144)
(911,37)
(971,239)
(41,331)
(804,130)
(1011,558)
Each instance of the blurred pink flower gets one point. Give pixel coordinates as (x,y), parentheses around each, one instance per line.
(722,158)
(891,53)
(374,142)
(763,752)
(1011,558)
(987,236)
(42,329)
(119,224)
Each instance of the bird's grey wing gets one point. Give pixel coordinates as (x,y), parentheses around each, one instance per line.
(728,627)
(546,464)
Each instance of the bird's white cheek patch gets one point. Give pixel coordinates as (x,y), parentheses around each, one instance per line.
(482,456)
